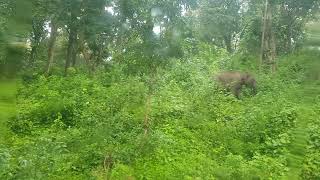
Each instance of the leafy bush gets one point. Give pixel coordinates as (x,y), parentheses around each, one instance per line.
(174,124)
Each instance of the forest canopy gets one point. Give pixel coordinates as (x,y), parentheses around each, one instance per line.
(141,89)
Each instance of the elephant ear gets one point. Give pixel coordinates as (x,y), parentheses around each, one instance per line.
(244,78)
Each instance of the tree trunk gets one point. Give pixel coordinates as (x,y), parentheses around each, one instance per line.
(37,29)
(289,36)
(268,44)
(228,43)
(74,54)
(72,42)
(51,44)
(272,59)
(263,29)
(33,54)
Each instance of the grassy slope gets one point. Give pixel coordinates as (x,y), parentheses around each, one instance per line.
(306,95)
(7,105)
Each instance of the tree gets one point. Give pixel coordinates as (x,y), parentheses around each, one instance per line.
(54,16)
(293,16)
(220,22)
(283,23)
(72,29)
(51,44)
(268,46)
(95,34)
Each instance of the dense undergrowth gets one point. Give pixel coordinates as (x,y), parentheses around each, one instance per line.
(174,124)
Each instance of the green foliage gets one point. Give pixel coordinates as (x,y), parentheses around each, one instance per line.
(66,127)
(150,108)
(219,21)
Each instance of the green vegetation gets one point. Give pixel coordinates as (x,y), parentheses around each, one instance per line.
(66,126)
(101,94)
